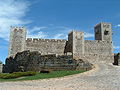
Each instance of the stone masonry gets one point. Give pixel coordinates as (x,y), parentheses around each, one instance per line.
(17,40)
(96,50)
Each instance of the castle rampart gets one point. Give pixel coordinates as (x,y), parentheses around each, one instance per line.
(46,46)
(100,48)
(44,40)
(97,47)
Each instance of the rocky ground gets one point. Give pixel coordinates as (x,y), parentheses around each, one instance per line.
(103,77)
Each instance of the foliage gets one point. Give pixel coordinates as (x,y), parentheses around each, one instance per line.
(16,75)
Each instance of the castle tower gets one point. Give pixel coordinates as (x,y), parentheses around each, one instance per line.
(103,31)
(76,41)
(17,40)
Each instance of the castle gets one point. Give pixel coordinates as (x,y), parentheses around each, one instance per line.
(100,49)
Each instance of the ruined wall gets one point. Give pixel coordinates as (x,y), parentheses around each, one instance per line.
(97,47)
(46,46)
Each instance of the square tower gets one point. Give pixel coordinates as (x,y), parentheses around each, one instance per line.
(17,40)
(76,42)
(103,31)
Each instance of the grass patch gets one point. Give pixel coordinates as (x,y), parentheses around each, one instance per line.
(52,74)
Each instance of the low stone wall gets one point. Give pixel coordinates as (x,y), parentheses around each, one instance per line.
(95,58)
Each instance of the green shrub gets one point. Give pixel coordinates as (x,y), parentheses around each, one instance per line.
(9,76)
(16,75)
(30,73)
(2,75)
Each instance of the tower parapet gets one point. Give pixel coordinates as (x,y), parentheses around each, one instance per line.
(37,40)
(103,31)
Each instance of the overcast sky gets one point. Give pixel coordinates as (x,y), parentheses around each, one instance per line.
(55,18)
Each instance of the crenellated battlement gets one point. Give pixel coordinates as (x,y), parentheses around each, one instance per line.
(96,41)
(74,31)
(34,40)
(17,28)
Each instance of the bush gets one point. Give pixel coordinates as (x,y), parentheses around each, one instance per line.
(30,73)
(17,74)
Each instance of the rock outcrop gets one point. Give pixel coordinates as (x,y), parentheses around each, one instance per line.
(34,61)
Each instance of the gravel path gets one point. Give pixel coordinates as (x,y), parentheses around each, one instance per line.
(103,77)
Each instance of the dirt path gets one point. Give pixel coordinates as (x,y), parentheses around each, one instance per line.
(103,77)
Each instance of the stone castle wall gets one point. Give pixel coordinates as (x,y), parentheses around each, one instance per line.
(96,58)
(97,47)
(54,46)
(75,45)
(46,46)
